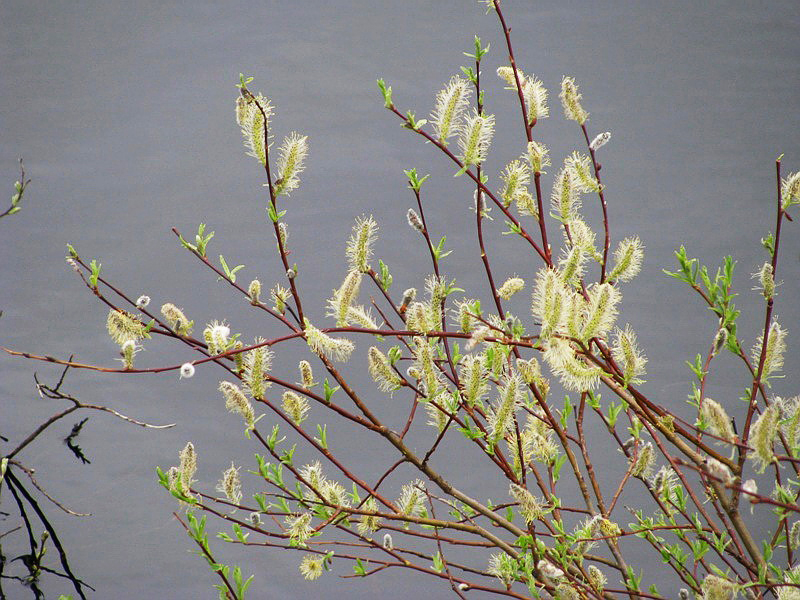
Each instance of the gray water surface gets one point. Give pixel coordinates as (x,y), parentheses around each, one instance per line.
(124,114)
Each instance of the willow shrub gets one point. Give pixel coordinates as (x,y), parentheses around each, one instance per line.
(477,375)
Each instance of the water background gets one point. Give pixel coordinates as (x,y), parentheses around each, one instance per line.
(124,115)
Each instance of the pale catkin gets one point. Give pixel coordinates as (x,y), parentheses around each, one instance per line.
(628,258)
(250,114)
(717,420)
(516,176)
(257,363)
(547,306)
(322,344)
(791,423)
(538,156)
(449,106)
(291,162)
(188,466)
(602,310)
(571,101)
(565,198)
(359,245)
(412,499)
(501,416)
(510,286)
(306,374)
(231,484)
(381,371)
(123,327)
(237,402)
(295,406)
(176,319)
(343,298)
(776,347)
(581,167)
(530,507)
(762,436)
(475,137)
(474,378)
(627,354)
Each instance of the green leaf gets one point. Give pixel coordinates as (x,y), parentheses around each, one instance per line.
(387,93)
(95,267)
(230,273)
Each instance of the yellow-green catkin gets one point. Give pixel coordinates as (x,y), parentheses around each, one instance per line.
(449,106)
(312,566)
(776,347)
(306,374)
(359,245)
(516,177)
(299,528)
(538,156)
(504,567)
(369,524)
(475,138)
(381,371)
(412,499)
(628,356)
(501,417)
(424,362)
(361,316)
(237,402)
(176,319)
(791,423)
(628,258)
(533,92)
(565,198)
(762,437)
(601,312)
(238,358)
(322,344)
(188,466)
(123,326)
(717,419)
(794,536)
(128,351)
(581,167)
(474,379)
(717,588)
(418,317)
(596,578)
(530,507)
(571,264)
(291,162)
(216,337)
(295,406)
(257,363)
(510,286)
(466,311)
(573,372)
(280,296)
(790,190)
(576,314)
(254,291)
(344,297)
(231,484)
(581,235)
(766,280)
(571,101)
(437,417)
(250,113)
(436,287)
(549,296)
(644,461)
